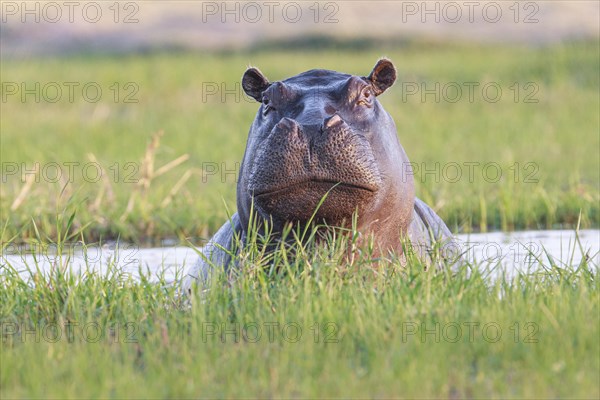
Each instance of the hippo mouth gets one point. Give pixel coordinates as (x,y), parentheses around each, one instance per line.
(331,183)
(326,200)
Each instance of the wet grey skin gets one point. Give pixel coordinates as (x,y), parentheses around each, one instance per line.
(325,133)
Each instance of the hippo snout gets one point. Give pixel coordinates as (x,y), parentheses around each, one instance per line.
(328,152)
(299,164)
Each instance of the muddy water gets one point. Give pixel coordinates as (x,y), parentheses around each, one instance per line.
(498,253)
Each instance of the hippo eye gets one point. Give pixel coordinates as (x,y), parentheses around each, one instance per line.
(266,105)
(366,97)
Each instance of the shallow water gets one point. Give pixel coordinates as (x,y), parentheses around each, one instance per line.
(498,253)
(511,253)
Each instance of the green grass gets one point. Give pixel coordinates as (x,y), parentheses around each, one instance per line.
(546,151)
(328,328)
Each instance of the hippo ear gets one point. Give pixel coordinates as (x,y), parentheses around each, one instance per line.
(382,76)
(254,83)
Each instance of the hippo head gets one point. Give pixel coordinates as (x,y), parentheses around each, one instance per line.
(325,133)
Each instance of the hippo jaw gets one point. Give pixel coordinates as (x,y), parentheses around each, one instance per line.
(299,166)
(340,201)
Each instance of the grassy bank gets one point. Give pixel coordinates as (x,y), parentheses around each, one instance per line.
(312,326)
(521,157)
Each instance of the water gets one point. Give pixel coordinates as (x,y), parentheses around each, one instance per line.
(508,254)
(498,253)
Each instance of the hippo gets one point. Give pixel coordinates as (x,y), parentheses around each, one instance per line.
(324,135)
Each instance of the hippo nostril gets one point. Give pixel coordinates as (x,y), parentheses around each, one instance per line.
(333,121)
(288,125)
